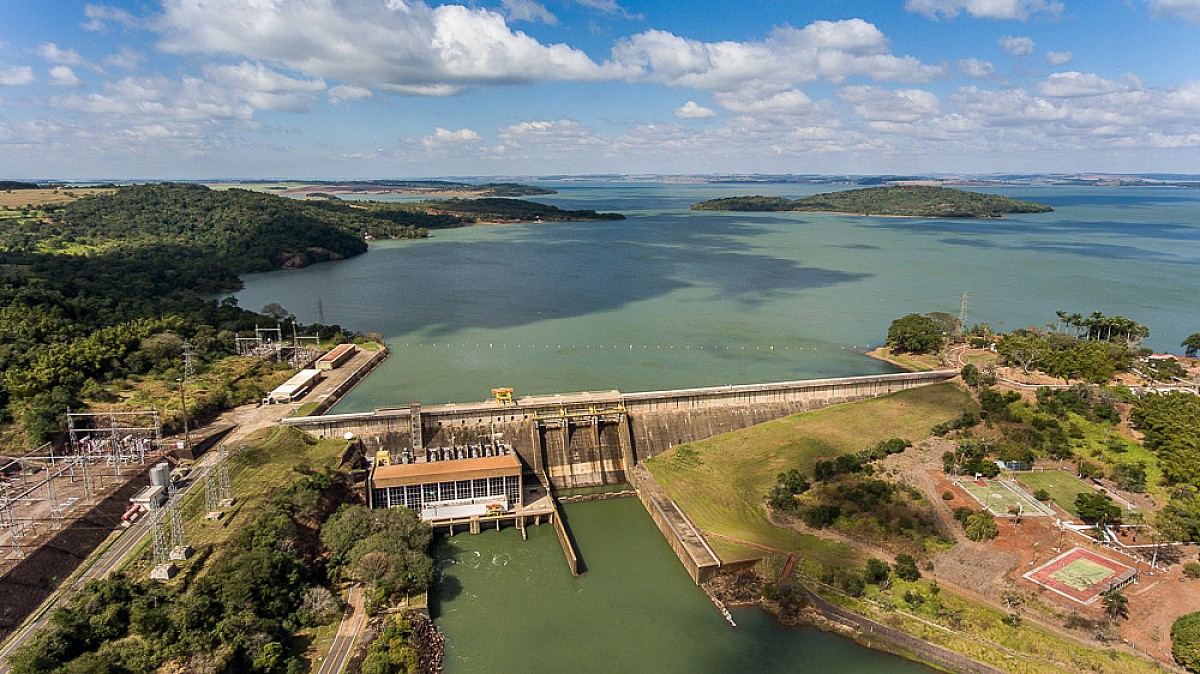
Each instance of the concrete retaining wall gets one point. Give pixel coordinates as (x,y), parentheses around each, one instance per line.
(685,539)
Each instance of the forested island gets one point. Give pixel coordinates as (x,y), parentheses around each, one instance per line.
(433,188)
(916,201)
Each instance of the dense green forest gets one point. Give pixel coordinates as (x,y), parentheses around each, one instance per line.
(89,289)
(907,200)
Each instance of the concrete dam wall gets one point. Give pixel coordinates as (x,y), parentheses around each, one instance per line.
(596,438)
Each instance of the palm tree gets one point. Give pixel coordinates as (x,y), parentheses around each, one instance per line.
(1116,604)
(1062,319)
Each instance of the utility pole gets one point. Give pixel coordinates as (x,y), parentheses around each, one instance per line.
(962,316)
(187,439)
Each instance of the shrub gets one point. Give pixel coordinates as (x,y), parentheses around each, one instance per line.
(947,495)
(1041,495)
(906,568)
(1012,620)
(853,584)
(877,571)
(981,526)
(913,598)
(1185,641)
(1192,569)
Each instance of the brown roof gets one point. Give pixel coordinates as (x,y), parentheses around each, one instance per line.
(399,475)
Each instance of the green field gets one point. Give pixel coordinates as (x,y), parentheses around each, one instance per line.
(1062,486)
(1082,574)
(721,482)
(999,498)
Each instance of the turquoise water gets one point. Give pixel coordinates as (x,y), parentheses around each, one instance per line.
(507,605)
(675,298)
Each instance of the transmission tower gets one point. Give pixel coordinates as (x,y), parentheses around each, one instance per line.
(162,537)
(212,494)
(320,311)
(175,523)
(224,488)
(962,315)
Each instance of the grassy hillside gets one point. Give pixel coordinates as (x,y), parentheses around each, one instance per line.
(907,200)
(721,483)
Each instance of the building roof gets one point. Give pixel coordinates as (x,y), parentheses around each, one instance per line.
(399,475)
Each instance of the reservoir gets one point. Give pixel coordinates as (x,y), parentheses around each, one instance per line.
(673,298)
(507,605)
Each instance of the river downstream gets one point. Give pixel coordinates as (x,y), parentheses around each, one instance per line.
(508,605)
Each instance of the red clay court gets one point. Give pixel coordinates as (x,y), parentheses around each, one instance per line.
(1081,575)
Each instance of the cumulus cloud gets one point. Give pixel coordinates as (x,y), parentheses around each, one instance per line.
(346,92)
(528,10)
(984,9)
(883,105)
(976,68)
(99,16)
(442,138)
(397,46)
(693,110)
(52,53)
(792,102)
(833,50)
(1059,58)
(125,59)
(561,135)
(15,76)
(1015,45)
(63,76)
(265,89)
(1183,9)
(1076,84)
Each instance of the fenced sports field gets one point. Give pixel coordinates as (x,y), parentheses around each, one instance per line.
(1004,499)
(1081,575)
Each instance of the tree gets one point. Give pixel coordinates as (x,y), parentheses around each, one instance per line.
(906,568)
(1191,345)
(915,333)
(1096,507)
(1023,350)
(1116,604)
(877,571)
(981,526)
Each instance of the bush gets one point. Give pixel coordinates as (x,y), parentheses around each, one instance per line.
(1012,620)
(1185,641)
(853,584)
(1192,569)
(913,598)
(906,568)
(1041,495)
(947,495)
(877,571)
(981,526)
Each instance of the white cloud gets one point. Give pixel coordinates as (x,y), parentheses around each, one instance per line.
(1073,84)
(52,53)
(15,76)
(528,10)
(63,76)
(833,50)
(125,59)
(345,92)
(984,9)
(877,104)
(99,16)
(1017,46)
(792,102)
(977,68)
(1183,9)
(1059,58)
(158,100)
(388,45)
(265,89)
(693,110)
(442,138)
(561,135)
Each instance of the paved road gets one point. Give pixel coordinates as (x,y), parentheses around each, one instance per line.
(347,634)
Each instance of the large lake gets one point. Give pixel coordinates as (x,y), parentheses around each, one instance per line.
(673,298)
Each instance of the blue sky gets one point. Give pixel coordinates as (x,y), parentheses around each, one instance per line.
(147,89)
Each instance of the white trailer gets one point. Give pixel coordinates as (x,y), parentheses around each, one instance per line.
(295,388)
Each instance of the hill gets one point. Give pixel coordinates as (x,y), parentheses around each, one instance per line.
(908,200)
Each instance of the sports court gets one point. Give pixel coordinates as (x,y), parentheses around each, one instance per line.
(1081,575)
(1004,499)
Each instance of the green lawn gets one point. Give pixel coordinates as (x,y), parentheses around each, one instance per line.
(1062,486)
(721,482)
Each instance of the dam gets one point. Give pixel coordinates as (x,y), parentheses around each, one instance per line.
(591,439)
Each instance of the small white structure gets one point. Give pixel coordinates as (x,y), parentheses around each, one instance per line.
(295,388)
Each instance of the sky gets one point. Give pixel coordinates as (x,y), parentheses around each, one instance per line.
(330,89)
